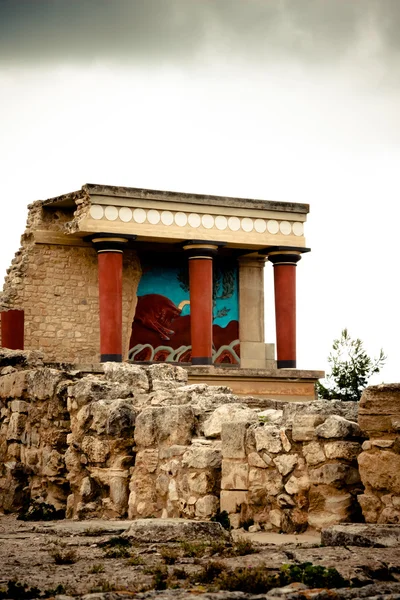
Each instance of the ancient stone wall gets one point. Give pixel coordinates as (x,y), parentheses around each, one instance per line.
(138,441)
(379,463)
(57,287)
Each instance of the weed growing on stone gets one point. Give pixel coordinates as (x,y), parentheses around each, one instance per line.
(96,569)
(169,555)
(160,578)
(135,560)
(209,572)
(64,556)
(194,549)
(117,552)
(243,547)
(102,585)
(314,576)
(217,547)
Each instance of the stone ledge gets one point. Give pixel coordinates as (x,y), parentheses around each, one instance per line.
(358,534)
(174,530)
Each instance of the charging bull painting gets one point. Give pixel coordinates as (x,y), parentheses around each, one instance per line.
(161,327)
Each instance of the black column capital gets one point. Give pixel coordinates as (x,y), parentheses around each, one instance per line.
(201,248)
(104,242)
(284,255)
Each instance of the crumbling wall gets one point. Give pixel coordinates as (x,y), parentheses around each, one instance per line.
(379,463)
(57,287)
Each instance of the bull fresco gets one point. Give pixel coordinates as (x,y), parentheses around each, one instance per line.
(161,327)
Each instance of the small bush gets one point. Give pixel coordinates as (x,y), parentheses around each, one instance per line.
(102,585)
(193,549)
(169,555)
(179,574)
(117,541)
(255,580)
(117,552)
(96,569)
(243,547)
(41,511)
(160,577)
(63,556)
(217,547)
(209,572)
(135,560)
(314,576)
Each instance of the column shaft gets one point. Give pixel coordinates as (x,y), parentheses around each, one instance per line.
(285,314)
(110,304)
(12,329)
(201,308)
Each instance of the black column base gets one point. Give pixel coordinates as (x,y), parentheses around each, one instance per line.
(286,364)
(111,358)
(202,360)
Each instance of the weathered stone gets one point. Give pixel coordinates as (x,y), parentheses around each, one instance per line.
(235,475)
(150,531)
(173,494)
(133,376)
(202,457)
(285,501)
(255,460)
(19,406)
(97,450)
(304,427)
(164,376)
(285,440)
(233,437)
(206,506)
(275,517)
(389,515)
(338,427)
(323,519)
(358,534)
(268,438)
(383,399)
(14,384)
(169,425)
(313,453)
(231,413)
(382,443)
(42,383)
(285,463)
(293,410)
(342,450)
(147,460)
(336,473)
(16,427)
(297,484)
(171,451)
(380,470)
(263,483)
(231,501)
(271,415)
(200,483)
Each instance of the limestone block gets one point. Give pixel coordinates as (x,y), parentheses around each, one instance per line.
(342,450)
(381,399)
(275,517)
(268,438)
(333,473)
(371,507)
(285,501)
(14,385)
(97,450)
(231,501)
(233,437)
(228,413)
(119,492)
(382,443)
(162,483)
(324,408)
(169,425)
(164,376)
(304,427)
(120,419)
(322,520)
(263,483)
(172,467)
(271,415)
(16,427)
(173,495)
(147,460)
(376,425)
(93,388)
(338,427)
(285,440)
(202,457)
(380,470)
(389,515)
(235,475)
(206,506)
(53,463)
(255,460)
(133,376)
(171,451)
(200,483)
(150,531)
(19,406)
(42,383)
(313,453)
(361,534)
(285,463)
(297,484)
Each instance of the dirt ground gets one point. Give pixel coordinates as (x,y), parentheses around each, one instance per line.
(29,552)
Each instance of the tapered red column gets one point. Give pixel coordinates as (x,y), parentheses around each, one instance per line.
(285,261)
(12,329)
(201,301)
(110,255)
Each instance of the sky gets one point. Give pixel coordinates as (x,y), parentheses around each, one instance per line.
(289,100)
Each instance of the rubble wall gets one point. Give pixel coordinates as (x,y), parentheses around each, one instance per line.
(379,463)
(57,287)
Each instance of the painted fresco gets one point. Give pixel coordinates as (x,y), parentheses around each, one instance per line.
(161,327)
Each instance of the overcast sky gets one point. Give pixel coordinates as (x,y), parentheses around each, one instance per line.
(293,100)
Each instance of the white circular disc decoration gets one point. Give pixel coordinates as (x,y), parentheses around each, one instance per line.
(167,218)
(247,224)
(153,216)
(194,220)
(139,215)
(285,227)
(260,225)
(111,213)
(233,223)
(96,211)
(125,214)
(180,219)
(298,228)
(207,221)
(221,222)
(273,226)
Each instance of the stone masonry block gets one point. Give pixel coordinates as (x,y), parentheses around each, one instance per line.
(231,501)
(235,475)
(233,437)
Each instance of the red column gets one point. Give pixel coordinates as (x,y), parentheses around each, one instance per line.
(110,254)
(201,301)
(285,261)
(12,329)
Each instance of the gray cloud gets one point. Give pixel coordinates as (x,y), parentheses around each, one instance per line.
(35,32)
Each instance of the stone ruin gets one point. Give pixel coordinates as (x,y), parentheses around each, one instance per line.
(122,440)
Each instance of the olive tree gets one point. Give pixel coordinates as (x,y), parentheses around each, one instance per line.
(351,369)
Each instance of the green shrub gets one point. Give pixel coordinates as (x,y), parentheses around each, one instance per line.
(193,549)
(63,556)
(169,555)
(96,569)
(243,547)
